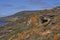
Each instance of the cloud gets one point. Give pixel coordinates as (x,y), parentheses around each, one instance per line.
(7,5)
(21,7)
(37,2)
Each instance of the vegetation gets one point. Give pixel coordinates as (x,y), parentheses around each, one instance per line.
(32,25)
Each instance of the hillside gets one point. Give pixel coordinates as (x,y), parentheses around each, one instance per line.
(32,25)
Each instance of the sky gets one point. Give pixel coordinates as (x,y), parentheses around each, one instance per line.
(10,7)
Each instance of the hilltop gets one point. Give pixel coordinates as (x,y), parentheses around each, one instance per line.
(52,11)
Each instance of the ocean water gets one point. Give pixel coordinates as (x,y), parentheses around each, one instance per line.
(2,23)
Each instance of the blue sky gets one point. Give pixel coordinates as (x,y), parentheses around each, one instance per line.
(9,7)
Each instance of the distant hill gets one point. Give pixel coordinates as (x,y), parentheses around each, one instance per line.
(52,11)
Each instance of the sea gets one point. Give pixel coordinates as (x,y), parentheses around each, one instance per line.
(2,23)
